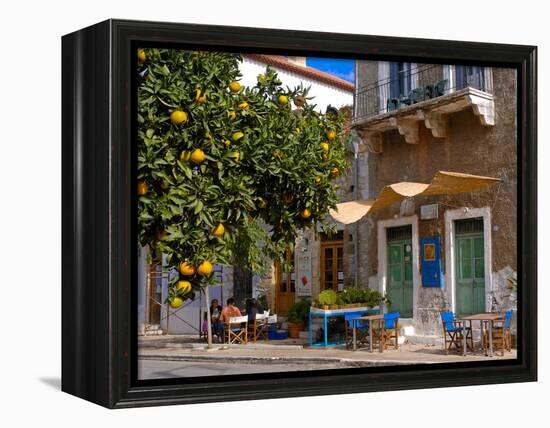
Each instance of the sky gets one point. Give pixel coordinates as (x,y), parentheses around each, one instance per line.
(342,68)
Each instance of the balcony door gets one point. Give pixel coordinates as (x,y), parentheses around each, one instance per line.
(400,79)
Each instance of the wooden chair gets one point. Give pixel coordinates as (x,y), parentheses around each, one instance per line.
(502,333)
(390,331)
(235,331)
(453,333)
(257,330)
(361,327)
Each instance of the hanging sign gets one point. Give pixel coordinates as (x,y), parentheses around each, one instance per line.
(303,274)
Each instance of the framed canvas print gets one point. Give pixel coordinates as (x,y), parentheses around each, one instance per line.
(252,213)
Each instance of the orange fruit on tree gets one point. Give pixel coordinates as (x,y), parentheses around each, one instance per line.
(325,156)
(237,136)
(325,147)
(243,105)
(335,172)
(232,115)
(186,269)
(317,180)
(176,302)
(227,143)
(205,268)
(197,156)
(177,117)
(141,55)
(183,286)
(235,86)
(305,213)
(331,135)
(142,188)
(236,156)
(283,99)
(200,98)
(218,231)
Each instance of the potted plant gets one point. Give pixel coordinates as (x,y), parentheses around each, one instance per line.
(297,317)
(327,298)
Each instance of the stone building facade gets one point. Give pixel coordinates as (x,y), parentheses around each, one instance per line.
(415,120)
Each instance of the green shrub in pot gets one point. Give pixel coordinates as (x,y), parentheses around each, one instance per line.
(328,297)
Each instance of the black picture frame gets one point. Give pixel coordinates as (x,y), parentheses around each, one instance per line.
(99,325)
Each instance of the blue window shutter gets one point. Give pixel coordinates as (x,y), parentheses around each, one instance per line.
(430,262)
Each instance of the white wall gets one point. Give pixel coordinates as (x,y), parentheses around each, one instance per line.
(324,94)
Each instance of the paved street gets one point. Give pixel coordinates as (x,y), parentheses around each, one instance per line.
(168,357)
(154,369)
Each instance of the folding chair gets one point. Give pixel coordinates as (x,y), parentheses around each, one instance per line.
(258,328)
(453,332)
(390,330)
(361,329)
(502,333)
(236,330)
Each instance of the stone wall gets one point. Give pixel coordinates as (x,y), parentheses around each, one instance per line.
(470,148)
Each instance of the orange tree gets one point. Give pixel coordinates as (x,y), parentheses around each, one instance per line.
(227,174)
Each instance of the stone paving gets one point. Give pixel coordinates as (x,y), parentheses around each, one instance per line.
(174,348)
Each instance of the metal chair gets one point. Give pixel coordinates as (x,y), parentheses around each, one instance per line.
(453,331)
(236,330)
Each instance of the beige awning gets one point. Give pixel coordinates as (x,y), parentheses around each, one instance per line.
(443,183)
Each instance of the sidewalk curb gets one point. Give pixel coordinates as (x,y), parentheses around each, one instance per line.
(347,362)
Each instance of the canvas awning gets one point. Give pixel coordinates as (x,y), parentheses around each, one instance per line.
(443,183)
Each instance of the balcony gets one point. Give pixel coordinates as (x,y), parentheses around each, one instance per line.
(426,95)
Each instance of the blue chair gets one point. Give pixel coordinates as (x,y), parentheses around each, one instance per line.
(361,325)
(453,331)
(502,333)
(390,330)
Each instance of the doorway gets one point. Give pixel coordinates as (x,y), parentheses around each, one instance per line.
(470,266)
(400,270)
(285,283)
(332,265)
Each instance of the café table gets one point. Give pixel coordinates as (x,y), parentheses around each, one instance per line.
(370,320)
(483,318)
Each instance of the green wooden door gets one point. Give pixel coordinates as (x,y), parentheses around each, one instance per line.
(400,283)
(470,273)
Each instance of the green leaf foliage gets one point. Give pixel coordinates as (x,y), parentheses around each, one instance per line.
(263,161)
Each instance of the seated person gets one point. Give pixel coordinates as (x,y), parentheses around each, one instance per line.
(215,313)
(253,307)
(229,311)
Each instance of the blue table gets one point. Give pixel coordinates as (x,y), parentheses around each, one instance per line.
(326,314)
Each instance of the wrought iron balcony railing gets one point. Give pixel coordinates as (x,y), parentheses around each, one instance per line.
(414,86)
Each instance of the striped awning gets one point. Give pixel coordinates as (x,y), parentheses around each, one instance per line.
(443,183)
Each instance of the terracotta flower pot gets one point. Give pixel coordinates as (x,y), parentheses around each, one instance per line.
(294,329)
